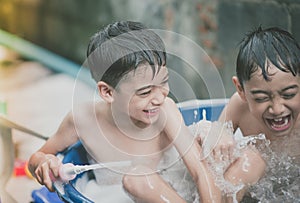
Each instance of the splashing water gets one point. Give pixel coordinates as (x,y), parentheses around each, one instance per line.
(282,180)
(281,183)
(180,179)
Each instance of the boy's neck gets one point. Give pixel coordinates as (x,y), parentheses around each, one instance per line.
(130,128)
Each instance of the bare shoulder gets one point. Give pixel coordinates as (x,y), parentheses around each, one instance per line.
(171,111)
(77,120)
(87,110)
(170,101)
(79,117)
(175,122)
(235,110)
(237,103)
(83,108)
(170,106)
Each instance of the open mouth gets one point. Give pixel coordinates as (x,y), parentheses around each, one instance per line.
(280,124)
(151,112)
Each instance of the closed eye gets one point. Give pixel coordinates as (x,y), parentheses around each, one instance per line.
(260,95)
(289,92)
(144,93)
(261,99)
(288,96)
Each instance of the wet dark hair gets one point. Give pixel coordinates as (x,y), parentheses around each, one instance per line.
(122,46)
(267,45)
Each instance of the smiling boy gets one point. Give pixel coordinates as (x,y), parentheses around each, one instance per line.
(135,121)
(268,85)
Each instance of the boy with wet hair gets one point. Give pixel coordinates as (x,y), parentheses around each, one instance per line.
(267,84)
(120,48)
(268,91)
(136,122)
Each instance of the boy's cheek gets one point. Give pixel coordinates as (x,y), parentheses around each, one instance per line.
(257,109)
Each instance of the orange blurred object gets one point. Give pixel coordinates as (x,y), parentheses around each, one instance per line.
(21,168)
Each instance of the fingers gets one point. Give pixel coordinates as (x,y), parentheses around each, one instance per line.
(199,140)
(224,148)
(47,180)
(47,172)
(224,152)
(231,156)
(217,155)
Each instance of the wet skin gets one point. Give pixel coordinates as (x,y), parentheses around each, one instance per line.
(275,103)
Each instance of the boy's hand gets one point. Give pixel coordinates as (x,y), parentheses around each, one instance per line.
(218,142)
(223,150)
(48,171)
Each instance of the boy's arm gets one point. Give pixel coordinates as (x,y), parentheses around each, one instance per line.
(43,164)
(232,112)
(191,152)
(246,170)
(150,187)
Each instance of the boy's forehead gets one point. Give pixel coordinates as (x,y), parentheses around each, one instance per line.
(271,71)
(144,74)
(143,71)
(276,77)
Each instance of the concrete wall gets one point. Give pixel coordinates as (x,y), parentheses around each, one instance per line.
(65,26)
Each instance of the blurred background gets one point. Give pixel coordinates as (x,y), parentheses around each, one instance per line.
(64,26)
(37,74)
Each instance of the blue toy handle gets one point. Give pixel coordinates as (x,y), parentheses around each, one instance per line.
(71,195)
(75,154)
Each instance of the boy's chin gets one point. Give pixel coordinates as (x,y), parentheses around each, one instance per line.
(144,123)
(281,133)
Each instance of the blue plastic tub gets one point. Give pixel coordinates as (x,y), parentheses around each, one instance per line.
(66,192)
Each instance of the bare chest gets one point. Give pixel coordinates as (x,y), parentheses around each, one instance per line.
(110,145)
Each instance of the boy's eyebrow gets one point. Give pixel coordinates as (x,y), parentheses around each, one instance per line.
(143,88)
(149,86)
(266,92)
(259,92)
(290,87)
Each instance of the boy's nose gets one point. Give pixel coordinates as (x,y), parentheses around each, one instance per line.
(277,108)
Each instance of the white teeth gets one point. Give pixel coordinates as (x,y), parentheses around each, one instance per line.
(152,110)
(286,120)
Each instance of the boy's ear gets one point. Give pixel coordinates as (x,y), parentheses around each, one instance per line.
(105,91)
(239,88)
